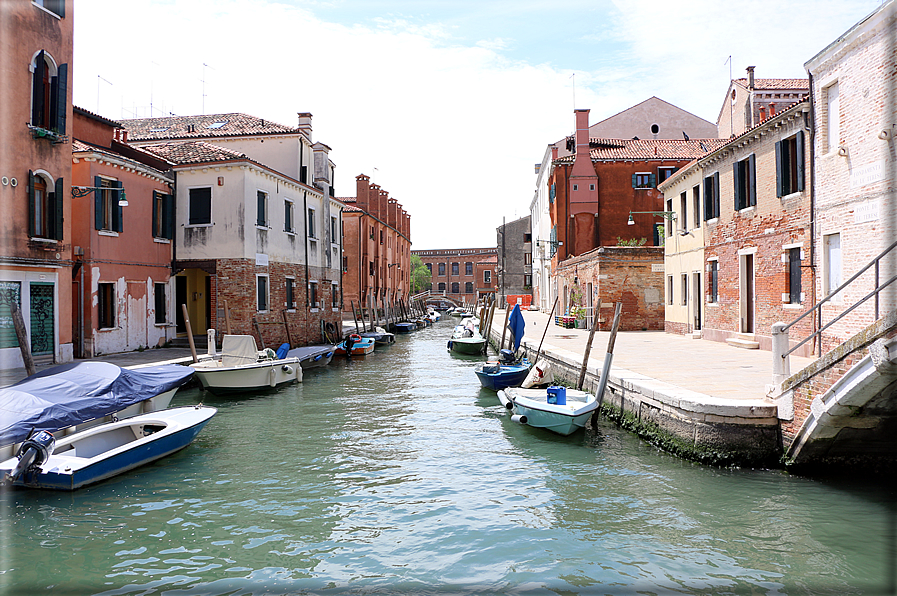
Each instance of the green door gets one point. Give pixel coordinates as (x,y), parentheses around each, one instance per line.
(42,315)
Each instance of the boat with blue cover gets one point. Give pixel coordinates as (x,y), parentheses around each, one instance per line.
(507,372)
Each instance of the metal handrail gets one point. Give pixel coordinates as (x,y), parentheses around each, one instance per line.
(818,306)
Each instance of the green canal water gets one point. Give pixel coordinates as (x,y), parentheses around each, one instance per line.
(396,473)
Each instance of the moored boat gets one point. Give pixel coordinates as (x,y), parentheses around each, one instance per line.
(243,367)
(557,409)
(381,336)
(505,373)
(103,451)
(405,327)
(312,356)
(466,338)
(355,345)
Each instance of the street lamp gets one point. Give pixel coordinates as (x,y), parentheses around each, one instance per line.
(669,215)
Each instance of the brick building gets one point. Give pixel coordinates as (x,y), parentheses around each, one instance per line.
(376,257)
(737,247)
(256,224)
(749,101)
(122,226)
(463,274)
(35,178)
(515,258)
(855,134)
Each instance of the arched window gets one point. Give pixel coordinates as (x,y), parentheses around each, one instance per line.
(49,86)
(468,287)
(455,287)
(44,206)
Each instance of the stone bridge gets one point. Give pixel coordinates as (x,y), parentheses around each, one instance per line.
(841,411)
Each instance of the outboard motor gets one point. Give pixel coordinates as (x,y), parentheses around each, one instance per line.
(351,341)
(506,356)
(36,450)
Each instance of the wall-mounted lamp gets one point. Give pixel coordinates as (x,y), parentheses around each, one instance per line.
(670,215)
(554,243)
(83,191)
(391,265)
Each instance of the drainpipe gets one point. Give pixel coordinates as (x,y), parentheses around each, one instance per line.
(305,215)
(173,186)
(812,143)
(81,311)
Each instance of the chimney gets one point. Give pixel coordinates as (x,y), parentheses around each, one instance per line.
(362,186)
(374,201)
(750,75)
(554,152)
(772,110)
(305,124)
(582,162)
(391,213)
(124,136)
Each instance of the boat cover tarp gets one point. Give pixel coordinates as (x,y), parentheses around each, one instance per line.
(306,351)
(517,325)
(77,392)
(238,350)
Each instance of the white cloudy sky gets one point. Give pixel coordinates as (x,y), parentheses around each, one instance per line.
(452,101)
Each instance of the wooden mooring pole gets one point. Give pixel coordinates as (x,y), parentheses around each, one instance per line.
(189,332)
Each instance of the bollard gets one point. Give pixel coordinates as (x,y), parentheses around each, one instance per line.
(781,364)
(210,334)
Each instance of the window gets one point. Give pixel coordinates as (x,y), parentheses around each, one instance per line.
(442,286)
(456,287)
(430,268)
(288,217)
(334,295)
(105,305)
(794,288)
(159,291)
(696,206)
(683,212)
(345,264)
(790,165)
(832,118)
(261,211)
(381,236)
(832,273)
(669,289)
(711,197)
(57,7)
(261,284)
(370,267)
(107,211)
(527,258)
(455,268)
(199,206)
(528,237)
(713,269)
(45,208)
(441,268)
(665,172)
(334,230)
(468,287)
(49,87)
(669,223)
(745,176)
(528,280)
(575,187)
(643,180)
(311,223)
(683,286)
(487,276)
(163,215)
(468,268)
(313,294)
(291,293)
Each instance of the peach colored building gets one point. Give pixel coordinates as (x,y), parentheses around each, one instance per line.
(122,228)
(35,177)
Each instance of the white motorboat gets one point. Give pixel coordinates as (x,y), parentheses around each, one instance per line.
(103,451)
(72,397)
(557,409)
(243,367)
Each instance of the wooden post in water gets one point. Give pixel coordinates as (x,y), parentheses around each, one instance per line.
(226,318)
(24,347)
(504,328)
(287,327)
(605,370)
(354,318)
(189,332)
(550,315)
(585,359)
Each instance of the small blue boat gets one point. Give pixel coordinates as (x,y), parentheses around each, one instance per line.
(502,374)
(405,327)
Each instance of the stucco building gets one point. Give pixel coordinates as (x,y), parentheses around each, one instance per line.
(376,256)
(35,178)
(122,229)
(257,227)
(514,240)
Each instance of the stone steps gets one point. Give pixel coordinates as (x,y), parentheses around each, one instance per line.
(743,340)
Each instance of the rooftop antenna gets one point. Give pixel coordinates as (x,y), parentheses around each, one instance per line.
(573,76)
(204,67)
(99,78)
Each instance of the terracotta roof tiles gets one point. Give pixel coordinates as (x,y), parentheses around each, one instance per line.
(203,126)
(194,152)
(647,149)
(764,84)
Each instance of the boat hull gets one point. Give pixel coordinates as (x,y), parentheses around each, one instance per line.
(312,356)
(70,472)
(508,376)
(359,348)
(467,345)
(405,327)
(532,406)
(251,377)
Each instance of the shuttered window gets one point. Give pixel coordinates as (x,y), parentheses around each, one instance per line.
(163,215)
(107,211)
(790,165)
(199,206)
(711,196)
(794,286)
(49,95)
(745,178)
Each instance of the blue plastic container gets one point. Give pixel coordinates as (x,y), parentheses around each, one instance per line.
(557,395)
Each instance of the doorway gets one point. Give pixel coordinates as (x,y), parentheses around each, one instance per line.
(747,293)
(697,299)
(180,297)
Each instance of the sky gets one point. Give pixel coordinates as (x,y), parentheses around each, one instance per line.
(446,104)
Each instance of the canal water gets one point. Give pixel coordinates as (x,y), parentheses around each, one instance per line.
(396,473)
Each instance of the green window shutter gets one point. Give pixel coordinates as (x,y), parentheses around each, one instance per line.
(799,143)
(716,198)
(780,174)
(736,178)
(260,209)
(59,95)
(634,183)
(32,208)
(116,208)
(58,204)
(653,182)
(37,89)
(168,216)
(157,198)
(752,179)
(97,203)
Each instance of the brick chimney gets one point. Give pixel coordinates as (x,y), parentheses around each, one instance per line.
(362,188)
(374,201)
(750,77)
(391,218)
(407,224)
(554,152)
(583,182)
(305,125)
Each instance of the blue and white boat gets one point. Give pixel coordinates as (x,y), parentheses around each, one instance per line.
(309,356)
(103,451)
(505,373)
(75,396)
(557,409)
